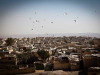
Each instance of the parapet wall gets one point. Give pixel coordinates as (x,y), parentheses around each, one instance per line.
(17,71)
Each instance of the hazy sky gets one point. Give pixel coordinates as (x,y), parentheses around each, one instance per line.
(15,14)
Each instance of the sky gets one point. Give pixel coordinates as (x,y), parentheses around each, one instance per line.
(15,16)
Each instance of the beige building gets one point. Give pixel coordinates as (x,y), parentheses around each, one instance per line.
(89,61)
(7,60)
(74,66)
(61,64)
(94,71)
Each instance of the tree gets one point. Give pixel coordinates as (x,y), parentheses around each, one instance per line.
(27,50)
(91,42)
(27,58)
(43,54)
(9,41)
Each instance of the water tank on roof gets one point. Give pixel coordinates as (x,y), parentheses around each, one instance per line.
(2,50)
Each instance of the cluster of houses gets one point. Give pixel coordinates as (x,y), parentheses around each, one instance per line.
(67,53)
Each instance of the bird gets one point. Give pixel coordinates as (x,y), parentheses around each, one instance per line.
(36,20)
(42,26)
(30,18)
(77,17)
(75,20)
(32,29)
(35,12)
(96,11)
(46,15)
(65,13)
(51,22)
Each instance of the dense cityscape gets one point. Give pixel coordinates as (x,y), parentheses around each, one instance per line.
(50,54)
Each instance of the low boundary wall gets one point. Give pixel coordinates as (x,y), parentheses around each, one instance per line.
(17,71)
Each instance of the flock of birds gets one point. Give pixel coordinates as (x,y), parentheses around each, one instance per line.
(51,22)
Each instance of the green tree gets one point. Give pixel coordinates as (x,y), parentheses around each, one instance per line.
(43,54)
(27,58)
(9,41)
(27,50)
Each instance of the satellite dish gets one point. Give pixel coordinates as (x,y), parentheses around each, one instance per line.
(2,50)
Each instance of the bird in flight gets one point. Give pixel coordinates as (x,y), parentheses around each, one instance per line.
(46,15)
(30,18)
(65,13)
(51,22)
(75,20)
(38,20)
(32,29)
(96,11)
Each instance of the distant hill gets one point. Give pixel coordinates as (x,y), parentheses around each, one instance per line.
(51,35)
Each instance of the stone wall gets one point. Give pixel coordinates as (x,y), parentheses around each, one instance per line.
(62,66)
(17,71)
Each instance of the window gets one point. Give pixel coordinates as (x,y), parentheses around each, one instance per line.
(9,58)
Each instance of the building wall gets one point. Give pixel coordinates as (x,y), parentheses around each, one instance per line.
(98,64)
(72,61)
(17,71)
(3,53)
(62,66)
(74,67)
(79,51)
(8,61)
(89,62)
(93,71)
